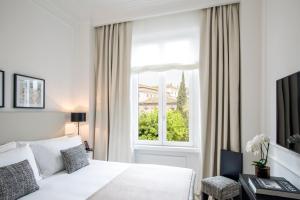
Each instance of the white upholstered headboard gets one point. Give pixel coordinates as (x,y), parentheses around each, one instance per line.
(31,125)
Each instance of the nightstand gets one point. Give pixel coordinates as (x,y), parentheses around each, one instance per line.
(90,154)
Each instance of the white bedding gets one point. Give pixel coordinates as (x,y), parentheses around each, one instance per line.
(148,182)
(78,185)
(81,184)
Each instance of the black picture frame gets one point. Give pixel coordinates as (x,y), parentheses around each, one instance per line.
(2,105)
(16,95)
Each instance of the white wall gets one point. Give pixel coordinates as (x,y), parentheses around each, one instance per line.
(251,68)
(35,42)
(39,41)
(281,57)
(270,46)
(82,78)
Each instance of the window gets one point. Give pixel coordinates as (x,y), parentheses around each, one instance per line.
(165,83)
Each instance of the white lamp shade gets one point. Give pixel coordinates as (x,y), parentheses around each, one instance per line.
(70,129)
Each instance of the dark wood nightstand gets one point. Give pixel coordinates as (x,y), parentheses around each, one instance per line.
(248,194)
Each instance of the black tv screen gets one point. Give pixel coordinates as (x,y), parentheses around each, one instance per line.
(288,112)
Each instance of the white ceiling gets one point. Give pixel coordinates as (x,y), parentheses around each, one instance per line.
(99,12)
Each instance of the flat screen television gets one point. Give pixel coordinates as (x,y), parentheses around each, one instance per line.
(288,112)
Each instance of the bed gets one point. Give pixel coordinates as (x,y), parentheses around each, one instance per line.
(98,181)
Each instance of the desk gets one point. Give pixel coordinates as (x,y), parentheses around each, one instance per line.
(248,194)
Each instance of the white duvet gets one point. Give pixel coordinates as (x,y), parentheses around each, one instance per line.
(79,185)
(83,183)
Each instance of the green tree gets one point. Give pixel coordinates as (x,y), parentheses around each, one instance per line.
(182,97)
(148,125)
(177,120)
(177,126)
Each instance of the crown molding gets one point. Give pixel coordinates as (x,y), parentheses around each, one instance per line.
(57,12)
(104,20)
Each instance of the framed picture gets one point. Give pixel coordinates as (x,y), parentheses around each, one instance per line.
(29,92)
(2,88)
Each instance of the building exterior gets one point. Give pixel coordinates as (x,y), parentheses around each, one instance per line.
(148,97)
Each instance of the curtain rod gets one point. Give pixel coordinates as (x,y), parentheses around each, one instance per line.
(208,5)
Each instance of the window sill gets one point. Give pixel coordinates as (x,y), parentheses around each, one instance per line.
(167,148)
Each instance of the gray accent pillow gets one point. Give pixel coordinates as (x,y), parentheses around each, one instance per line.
(17,180)
(75,158)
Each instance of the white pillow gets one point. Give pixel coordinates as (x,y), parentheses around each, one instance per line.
(47,154)
(17,155)
(8,146)
(22,143)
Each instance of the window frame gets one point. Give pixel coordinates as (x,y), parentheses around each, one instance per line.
(194,105)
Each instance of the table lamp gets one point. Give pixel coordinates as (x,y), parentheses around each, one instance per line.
(69,129)
(78,117)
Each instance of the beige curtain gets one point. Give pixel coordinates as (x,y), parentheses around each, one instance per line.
(220,84)
(112,117)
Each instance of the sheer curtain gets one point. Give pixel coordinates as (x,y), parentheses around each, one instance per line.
(112,139)
(166,42)
(163,48)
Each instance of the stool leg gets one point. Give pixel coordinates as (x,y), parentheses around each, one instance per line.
(204,196)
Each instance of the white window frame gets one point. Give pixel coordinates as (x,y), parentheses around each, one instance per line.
(194,112)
